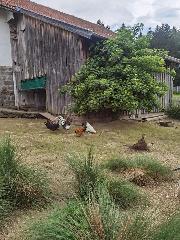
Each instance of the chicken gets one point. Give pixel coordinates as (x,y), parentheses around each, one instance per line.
(86,127)
(80,131)
(52,125)
(89,128)
(65,123)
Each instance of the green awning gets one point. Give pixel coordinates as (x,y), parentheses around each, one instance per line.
(33,84)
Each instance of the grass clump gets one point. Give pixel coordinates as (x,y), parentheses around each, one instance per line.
(154,168)
(86,220)
(126,194)
(89,175)
(119,164)
(174,111)
(170,230)
(97,218)
(151,167)
(20,186)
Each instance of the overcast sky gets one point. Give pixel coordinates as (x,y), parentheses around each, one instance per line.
(115,12)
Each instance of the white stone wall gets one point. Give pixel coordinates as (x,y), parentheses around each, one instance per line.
(5,45)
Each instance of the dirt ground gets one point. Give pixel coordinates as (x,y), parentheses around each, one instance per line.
(46,150)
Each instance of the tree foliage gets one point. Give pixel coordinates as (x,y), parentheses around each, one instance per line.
(99,22)
(168,38)
(119,75)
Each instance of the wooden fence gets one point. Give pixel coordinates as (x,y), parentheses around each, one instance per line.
(165,101)
(177,89)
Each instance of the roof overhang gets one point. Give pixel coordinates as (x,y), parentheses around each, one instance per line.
(86,33)
(82,32)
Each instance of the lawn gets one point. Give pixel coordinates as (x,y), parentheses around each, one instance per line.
(176,97)
(46,150)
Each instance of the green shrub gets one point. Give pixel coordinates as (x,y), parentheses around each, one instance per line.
(169,230)
(174,111)
(20,186)
(152,167)
(118,75)
(87,173)
(125,194)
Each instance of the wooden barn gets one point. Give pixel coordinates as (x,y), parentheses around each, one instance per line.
(40,49)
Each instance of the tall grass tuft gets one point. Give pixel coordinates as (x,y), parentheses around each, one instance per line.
(20,186)
(86,172)
(97,218)
(93,219)
(89,175)
(119,164)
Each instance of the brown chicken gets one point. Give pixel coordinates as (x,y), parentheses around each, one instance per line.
(80,131)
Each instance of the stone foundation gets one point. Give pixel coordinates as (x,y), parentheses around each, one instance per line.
(7,98)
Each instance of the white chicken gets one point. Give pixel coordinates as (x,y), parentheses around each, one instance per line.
(89,128)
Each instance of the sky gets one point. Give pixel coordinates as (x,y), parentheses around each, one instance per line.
(115,12)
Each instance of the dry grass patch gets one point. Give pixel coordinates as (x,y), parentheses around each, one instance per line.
(43,149)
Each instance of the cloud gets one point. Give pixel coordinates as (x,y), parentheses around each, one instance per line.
(115,12)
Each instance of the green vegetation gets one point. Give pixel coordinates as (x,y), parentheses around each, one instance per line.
(170,230)
(98,218)
(81,220)
(126,194)
(20,186)
(48,151)
(89,175)
(174,111)
(168,38)
(119,75)
(152,167)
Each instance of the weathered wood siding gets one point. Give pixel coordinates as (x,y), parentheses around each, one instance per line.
(167,79)
(42,49)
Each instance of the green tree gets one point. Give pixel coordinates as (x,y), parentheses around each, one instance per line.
(99,22)
(167,38)
(119,75)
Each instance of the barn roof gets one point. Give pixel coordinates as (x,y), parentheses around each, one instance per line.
(27,6)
